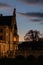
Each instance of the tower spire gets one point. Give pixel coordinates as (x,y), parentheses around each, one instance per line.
(15,37)
(14,12)
(14,24)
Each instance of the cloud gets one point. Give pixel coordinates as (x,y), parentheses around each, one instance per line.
(32,1)
(36,14)
(36,20)
(41,23)
(4,5)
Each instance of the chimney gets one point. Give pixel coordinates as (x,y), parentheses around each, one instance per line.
(1,15)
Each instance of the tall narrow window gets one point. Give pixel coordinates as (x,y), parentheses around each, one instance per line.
(2,34)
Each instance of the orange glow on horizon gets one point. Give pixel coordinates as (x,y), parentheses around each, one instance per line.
(21,39)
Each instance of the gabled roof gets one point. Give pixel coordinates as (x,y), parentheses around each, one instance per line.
(5,20)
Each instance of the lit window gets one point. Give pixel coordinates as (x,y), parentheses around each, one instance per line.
(14,38)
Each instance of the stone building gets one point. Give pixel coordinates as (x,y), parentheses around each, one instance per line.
(8,34)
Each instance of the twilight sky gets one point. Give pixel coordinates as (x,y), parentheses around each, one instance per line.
(29,14)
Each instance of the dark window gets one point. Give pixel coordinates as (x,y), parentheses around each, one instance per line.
(1,37)
(2,34)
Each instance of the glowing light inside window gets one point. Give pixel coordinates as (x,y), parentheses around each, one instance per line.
(14,38)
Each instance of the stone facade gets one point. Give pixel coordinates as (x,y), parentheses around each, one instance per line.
(8,34)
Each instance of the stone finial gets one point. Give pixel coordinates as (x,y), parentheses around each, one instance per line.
(14,12)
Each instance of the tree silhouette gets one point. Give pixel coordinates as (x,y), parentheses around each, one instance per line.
(34,35)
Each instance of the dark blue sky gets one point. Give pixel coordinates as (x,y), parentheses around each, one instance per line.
(23,7)
(27,22)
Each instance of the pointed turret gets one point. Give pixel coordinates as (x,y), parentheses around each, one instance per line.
(14,24)
(14,12)
(14,31)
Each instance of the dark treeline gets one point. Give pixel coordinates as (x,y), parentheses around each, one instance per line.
(35,45)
